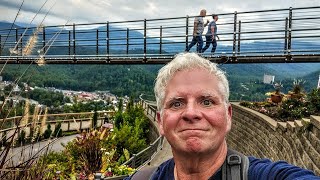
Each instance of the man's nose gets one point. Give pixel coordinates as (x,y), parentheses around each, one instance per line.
(191,112)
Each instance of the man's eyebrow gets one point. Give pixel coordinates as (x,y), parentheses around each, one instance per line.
(209,95)
(174,99)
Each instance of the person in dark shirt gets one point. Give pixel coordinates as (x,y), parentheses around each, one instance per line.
(211,35)
(194,115)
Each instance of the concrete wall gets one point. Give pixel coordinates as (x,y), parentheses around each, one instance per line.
(297,142)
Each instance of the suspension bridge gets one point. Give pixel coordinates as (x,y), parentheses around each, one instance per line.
(267,36)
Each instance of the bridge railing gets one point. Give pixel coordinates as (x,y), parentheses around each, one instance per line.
(266,32)
(69,122)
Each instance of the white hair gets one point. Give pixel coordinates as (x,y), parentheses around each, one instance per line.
(185,61)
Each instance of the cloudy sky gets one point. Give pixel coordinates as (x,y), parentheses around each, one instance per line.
(84,11)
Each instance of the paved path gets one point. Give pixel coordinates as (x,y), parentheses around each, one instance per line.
(20,154)
(162,155)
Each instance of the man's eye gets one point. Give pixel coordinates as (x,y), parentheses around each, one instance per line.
(176,104)
(207,102)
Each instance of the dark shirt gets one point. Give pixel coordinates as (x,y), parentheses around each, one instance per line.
(259,169)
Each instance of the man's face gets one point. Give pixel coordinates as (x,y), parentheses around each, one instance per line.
(203,13)
(195,118)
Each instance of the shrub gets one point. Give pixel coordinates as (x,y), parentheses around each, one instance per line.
(47,132)
(57,130)
(86,151)
(290,108)
(293,109)
(22,138)
(52,163)
(314,99)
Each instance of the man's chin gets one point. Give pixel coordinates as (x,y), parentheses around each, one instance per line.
(194,145)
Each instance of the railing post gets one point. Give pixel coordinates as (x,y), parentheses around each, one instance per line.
(21,46)
(16,43)
(108,42)
(74,42)
(286,36)
(127,40)
(150,152)
(160,48)
(234,33)
(145,41)
(134,160)
(290,30)
(187,31)
(0,45)
(239,37)
(69,44)
(43,39)
(17,38)
(97,43)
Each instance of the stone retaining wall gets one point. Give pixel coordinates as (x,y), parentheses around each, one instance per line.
(297,142)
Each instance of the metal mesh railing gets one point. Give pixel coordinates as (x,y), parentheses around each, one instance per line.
(292,31)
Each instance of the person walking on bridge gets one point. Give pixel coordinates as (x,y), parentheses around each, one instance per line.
(211,35)
(197,31)
(194,115)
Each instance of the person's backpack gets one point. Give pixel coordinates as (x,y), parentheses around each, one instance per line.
(235,167)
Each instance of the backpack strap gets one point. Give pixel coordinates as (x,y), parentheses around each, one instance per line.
(144,174)
(235,166)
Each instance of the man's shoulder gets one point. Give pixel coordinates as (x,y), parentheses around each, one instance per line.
(212,23)
(267,169)
(165,170)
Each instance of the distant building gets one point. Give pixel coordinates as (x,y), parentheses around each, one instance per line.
(268,79)
(16,90)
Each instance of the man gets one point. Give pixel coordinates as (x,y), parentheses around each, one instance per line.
(194,115)
(211,35)
(197,31)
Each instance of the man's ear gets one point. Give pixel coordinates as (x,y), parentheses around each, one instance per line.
(229,117)
(160,123)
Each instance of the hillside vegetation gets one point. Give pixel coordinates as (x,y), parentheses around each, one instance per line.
(245,79)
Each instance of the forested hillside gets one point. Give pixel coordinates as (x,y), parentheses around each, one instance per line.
(245,79)
(118,79)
